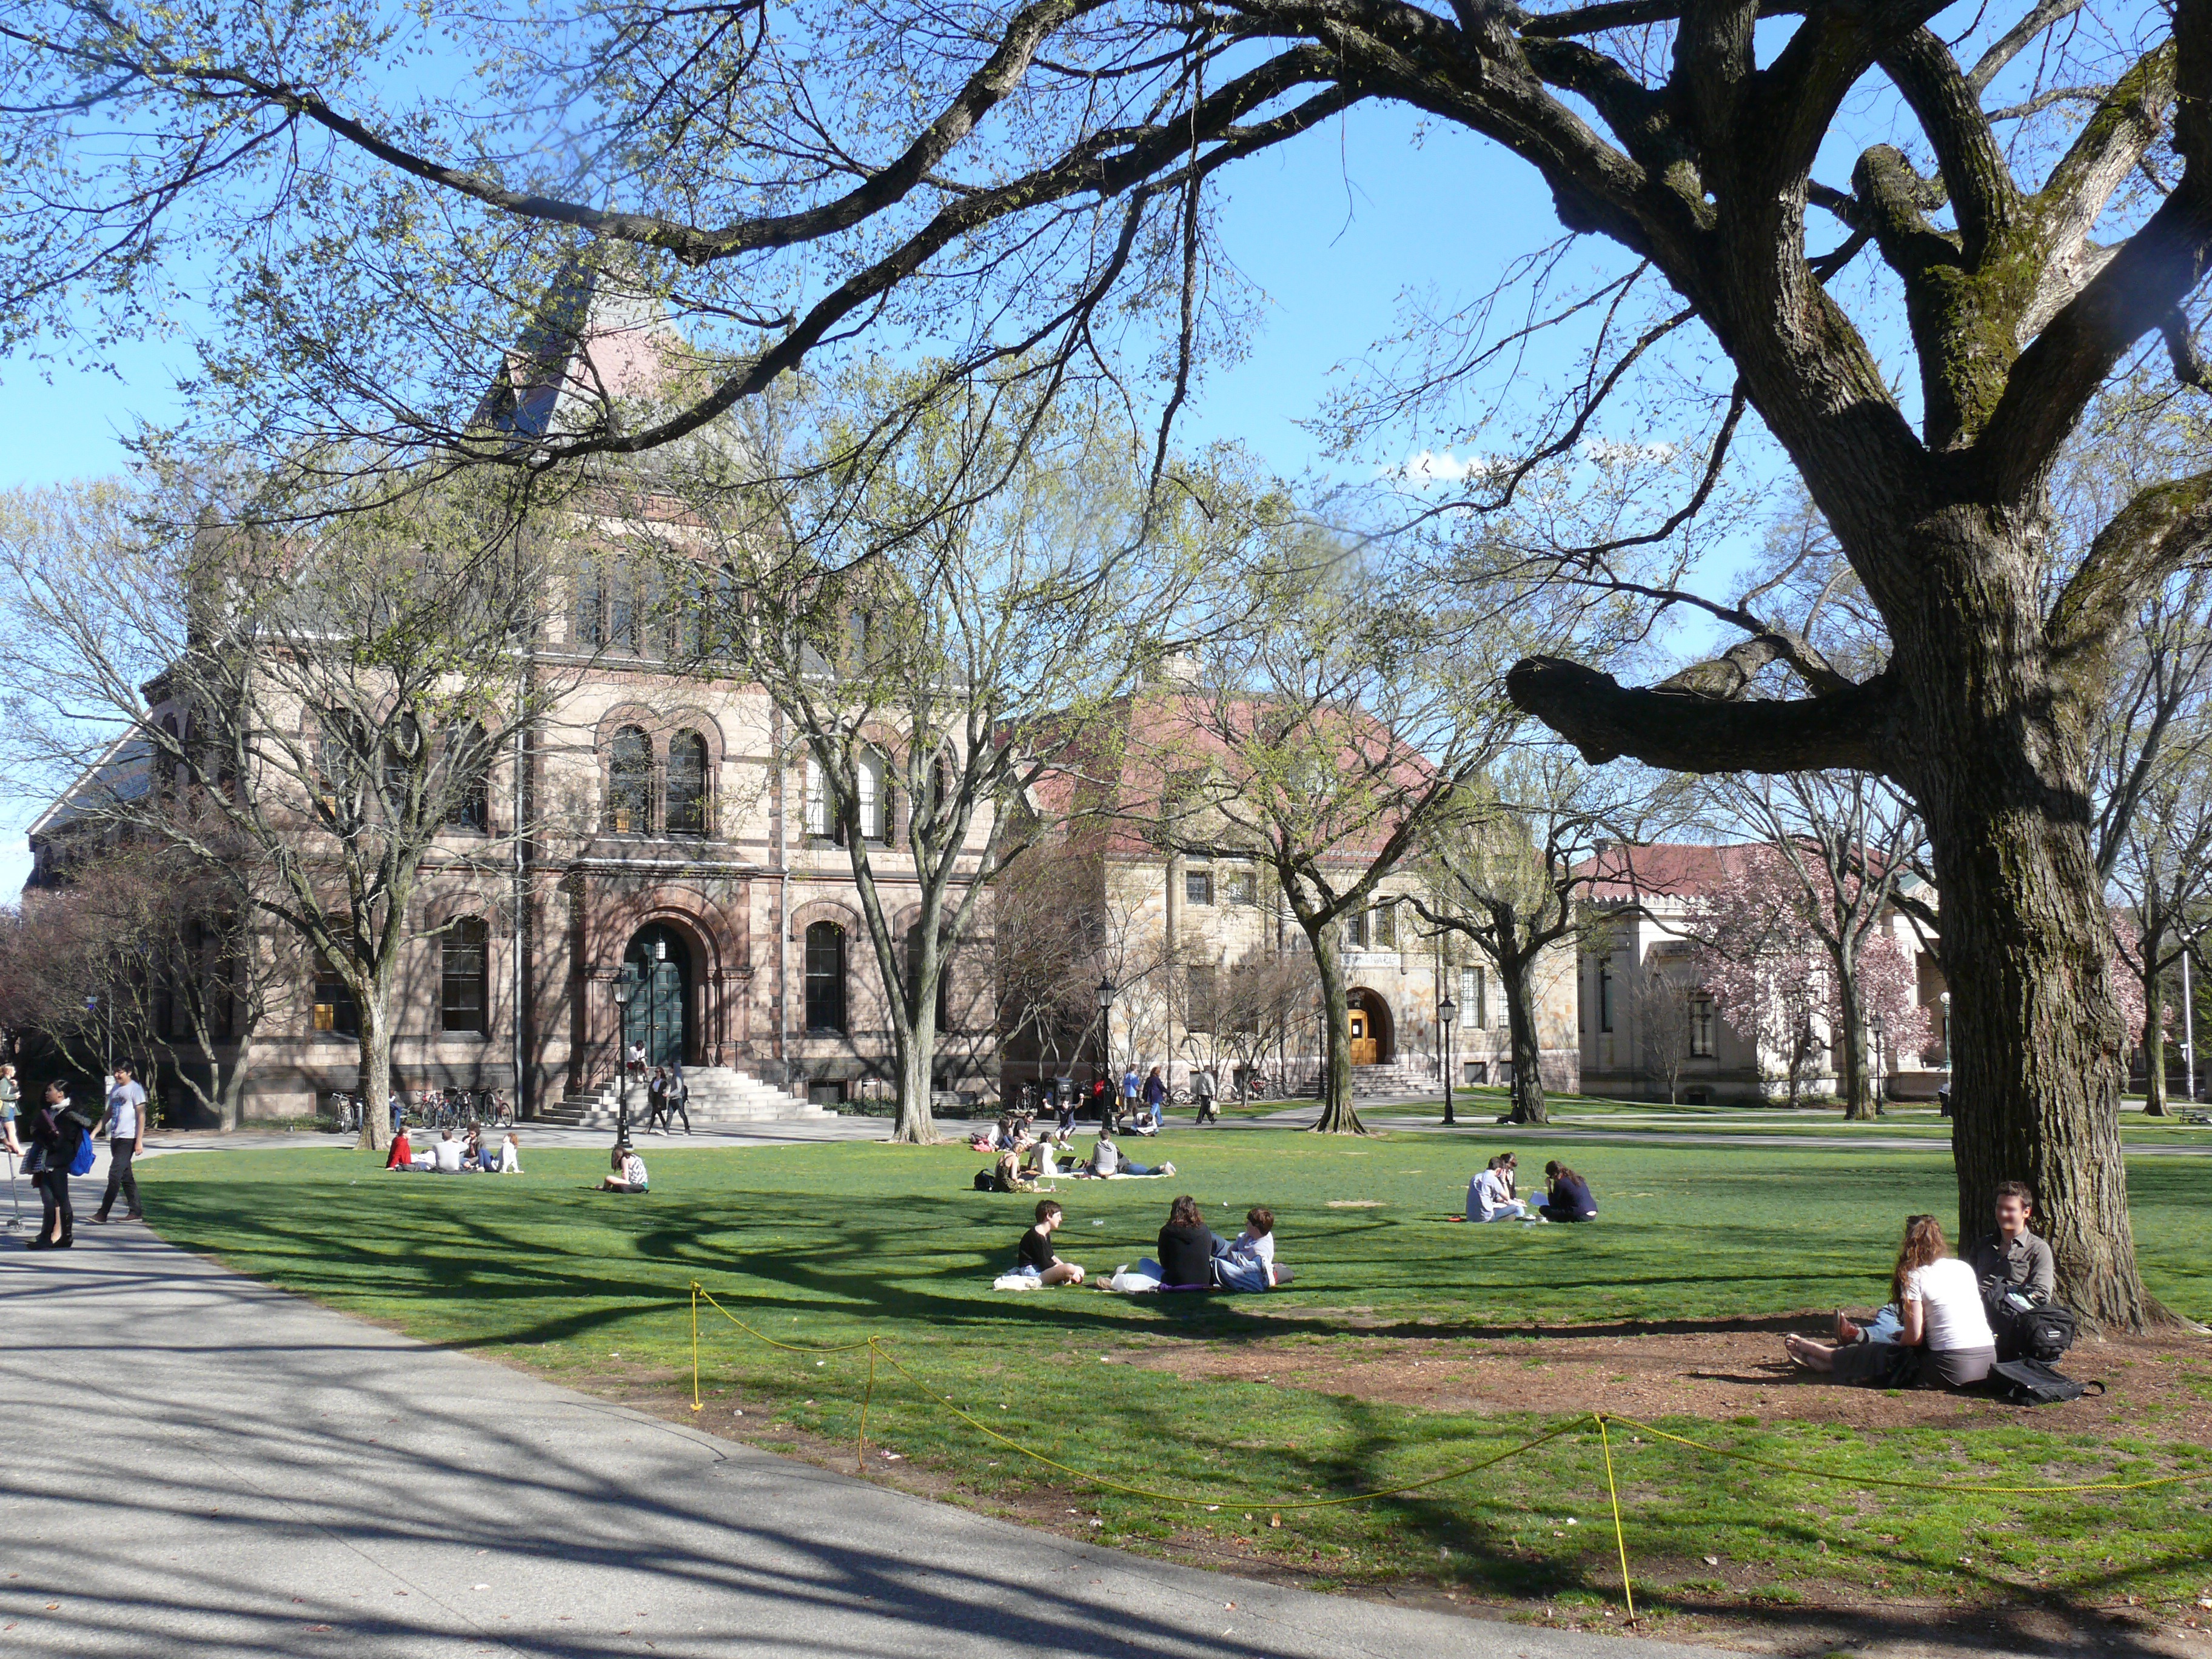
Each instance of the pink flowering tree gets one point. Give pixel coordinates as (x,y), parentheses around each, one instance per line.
(1889,990)
(1759,961)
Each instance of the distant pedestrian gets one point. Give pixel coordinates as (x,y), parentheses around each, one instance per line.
(10,1097)
(1156,1098)
(1202,1089)
(656,1102)
(1064,1096)
(1131,1086)
(126,1139)
(679,1099)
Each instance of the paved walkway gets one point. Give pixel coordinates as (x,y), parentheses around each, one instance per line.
(193,1463)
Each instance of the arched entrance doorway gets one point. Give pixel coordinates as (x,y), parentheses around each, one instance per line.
(1371,1034)
(657,972)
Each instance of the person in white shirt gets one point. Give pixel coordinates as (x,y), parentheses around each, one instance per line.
(126,1139)
(510,1155)
(448,1154)
(628,1172)
(1489,1196)
(1940,1311)
(1251,1263)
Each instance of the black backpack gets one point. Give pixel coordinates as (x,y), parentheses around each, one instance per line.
(2032,1382)
(2045,1333)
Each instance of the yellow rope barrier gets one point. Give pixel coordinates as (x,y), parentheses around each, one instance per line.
(1619,1539)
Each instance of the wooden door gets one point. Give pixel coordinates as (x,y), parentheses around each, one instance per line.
(1363,1039)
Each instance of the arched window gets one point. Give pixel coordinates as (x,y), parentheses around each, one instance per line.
(464,976)
(468,778)
(870,776)
(630,783)
(687,785)
(622,609)
(825,976)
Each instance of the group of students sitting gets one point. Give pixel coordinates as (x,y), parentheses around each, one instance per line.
(1490,1196)
(1023,1160)
(1949,1320)
(1193,1256)
(449,1156)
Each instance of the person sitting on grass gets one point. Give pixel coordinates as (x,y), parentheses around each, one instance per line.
(472,1153)
(1006,1174)
(403,1155)
(1568,1199)
(628,1171)
(1034,1257)
(448,1152)
(1250,1262)
(1489,1194)
(1043,1161)
(509,1155)
(1188,1247)
(1939,1308)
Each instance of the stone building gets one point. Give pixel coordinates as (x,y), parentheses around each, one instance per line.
(1208,967)
(662,871)
(1640,969)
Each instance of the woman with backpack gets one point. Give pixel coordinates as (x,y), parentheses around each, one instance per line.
(58,1135)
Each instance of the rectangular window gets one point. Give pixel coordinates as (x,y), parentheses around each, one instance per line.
(335,1009)
(1355,931)
(1198,886)
(1386,926)
(464,977)
(817,800)
(1470,1072)
(1243,887)
(1201,1016)
(1701,1026)
(1472,987)
(1604,997)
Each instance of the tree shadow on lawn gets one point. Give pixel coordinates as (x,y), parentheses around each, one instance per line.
(624,1255)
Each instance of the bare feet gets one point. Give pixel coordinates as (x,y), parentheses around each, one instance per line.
(1845,1330)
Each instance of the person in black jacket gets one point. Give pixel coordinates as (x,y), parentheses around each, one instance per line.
(59,1131)
(1188,1246)
(1568,1199)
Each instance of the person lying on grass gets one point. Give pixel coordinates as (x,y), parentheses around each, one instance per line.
(1034,1257)
(628,1171)
(1940,1314)
(1249,1264)
(1489,1194)
(1106,1160)
(1568,1199)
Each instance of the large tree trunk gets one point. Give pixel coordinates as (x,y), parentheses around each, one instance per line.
(230,1098)
(1528,1060)
(1337,1115)
(1858,1102)
(375,1069)
(1999,767)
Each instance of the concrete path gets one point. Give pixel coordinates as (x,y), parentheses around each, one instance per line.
(193,1463)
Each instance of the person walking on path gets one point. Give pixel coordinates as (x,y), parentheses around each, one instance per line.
(1156,1098)
(57,1132)
(10,1096)
(1202,1088)
(679,1099)
(126,1139)
(1130,1088)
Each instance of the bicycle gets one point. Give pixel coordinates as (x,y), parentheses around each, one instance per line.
(346,1110)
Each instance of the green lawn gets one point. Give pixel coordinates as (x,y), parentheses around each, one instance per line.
(831,1244)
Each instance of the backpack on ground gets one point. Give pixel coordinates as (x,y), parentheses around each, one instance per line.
(986,1181)
(2042,1332)
(2034,1383)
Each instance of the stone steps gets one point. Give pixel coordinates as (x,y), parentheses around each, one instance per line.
(719,1095)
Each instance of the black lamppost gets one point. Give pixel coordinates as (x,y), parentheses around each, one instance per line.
(1104,995)
(625,988)
(1446,1011)
(1875,1025)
